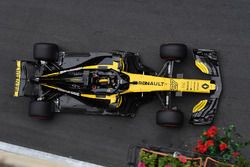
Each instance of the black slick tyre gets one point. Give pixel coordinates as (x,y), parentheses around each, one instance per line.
(173,52)
(41,110)
(169,118)
(46,52)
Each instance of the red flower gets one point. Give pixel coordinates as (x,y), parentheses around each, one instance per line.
(200,141)
(209,143)
(211,132)
(223,146)
(141,164)
(202,148)
(182,158)
(235,154)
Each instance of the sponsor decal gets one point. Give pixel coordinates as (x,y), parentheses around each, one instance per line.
(18,78)
(69,92)
(62,90)
(151,83)
(173,85)
(205,86)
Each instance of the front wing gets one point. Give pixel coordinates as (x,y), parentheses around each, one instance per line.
(207,61)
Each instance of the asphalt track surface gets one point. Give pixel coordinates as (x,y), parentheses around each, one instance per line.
(138,25)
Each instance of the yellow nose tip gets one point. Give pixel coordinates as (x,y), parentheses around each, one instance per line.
(212,86)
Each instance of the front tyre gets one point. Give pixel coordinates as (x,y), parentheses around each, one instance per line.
(41,110)
(46,52)
(169,118)
(173,52)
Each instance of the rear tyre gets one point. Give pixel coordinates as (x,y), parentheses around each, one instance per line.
(41,110)
(46,51)
(169,118)
(173,52)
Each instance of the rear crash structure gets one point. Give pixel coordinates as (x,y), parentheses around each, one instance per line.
(114,83)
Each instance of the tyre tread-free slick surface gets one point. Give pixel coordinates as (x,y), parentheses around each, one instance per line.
(170,118)
(41,109)
(173,51)
(46,52)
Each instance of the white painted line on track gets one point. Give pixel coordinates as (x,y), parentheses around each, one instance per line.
(44,155)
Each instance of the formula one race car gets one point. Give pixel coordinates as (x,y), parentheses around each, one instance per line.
(114,83)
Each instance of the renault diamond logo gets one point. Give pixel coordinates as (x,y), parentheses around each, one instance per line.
(205,86)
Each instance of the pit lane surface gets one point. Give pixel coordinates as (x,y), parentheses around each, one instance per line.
(83,25)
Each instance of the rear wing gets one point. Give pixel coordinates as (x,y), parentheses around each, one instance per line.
(204,111)
(25,70)
(18,79)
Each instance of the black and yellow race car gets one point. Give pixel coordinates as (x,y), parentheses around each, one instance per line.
(114,83)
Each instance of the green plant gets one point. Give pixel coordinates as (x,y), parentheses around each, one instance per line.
(150,159)
(243,162)
(170,161)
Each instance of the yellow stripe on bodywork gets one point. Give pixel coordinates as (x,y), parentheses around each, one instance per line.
(202,66)
(114,66)
(51,74)
(49,86)
(199,106)
(18,78)
(148,83)
(103,80)
(119,102)
(112,98)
